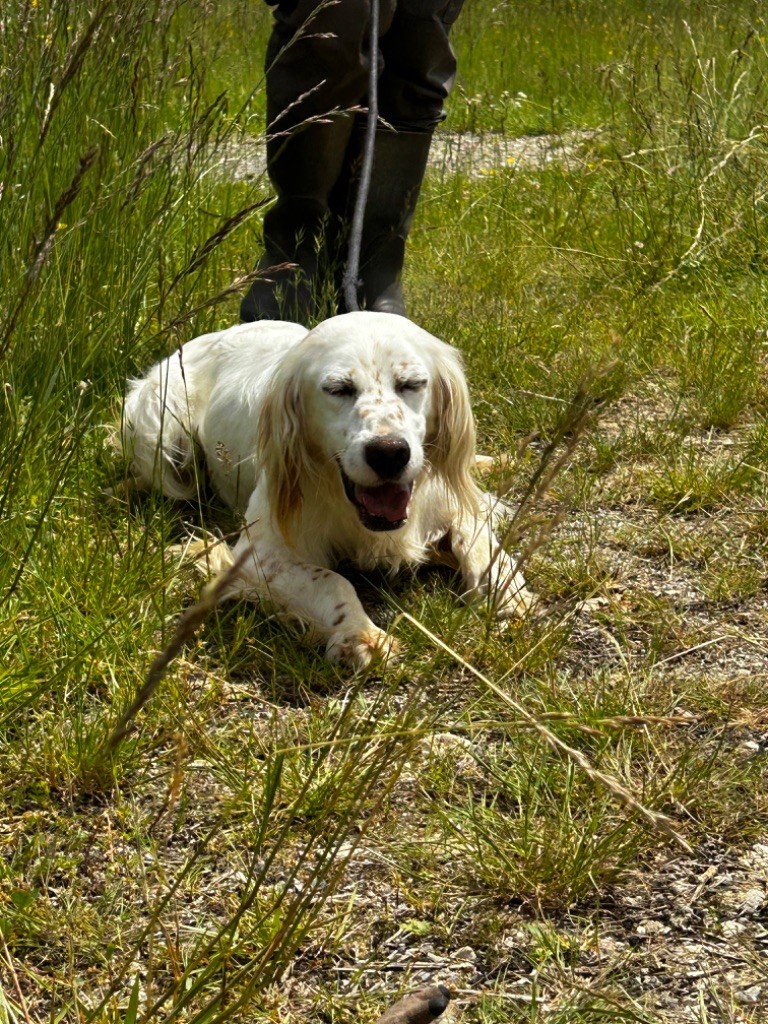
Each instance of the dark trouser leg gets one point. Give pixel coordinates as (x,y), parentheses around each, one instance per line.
(419,64)
(303,169)
(317,68)
(419,69)
(317,65)
(400,159)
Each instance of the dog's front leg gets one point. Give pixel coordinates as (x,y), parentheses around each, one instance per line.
(315,595)
(488,571)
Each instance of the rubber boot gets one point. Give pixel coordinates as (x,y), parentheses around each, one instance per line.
(303,168)
(400,160)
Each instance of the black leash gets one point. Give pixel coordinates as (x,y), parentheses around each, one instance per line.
(352,272)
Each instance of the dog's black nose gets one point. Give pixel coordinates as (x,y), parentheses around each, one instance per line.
(388,456)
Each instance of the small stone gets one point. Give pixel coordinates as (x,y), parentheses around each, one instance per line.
(732,929)
(650,928)
(749,995)
(751,901)
(681,888)
(465,954)
(748,749)
(757,858)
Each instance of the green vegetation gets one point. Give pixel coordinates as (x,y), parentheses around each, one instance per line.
(274,841)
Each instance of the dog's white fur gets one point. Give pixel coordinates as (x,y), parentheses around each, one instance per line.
(278,412)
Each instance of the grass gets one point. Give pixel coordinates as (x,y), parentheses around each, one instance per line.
(273,841)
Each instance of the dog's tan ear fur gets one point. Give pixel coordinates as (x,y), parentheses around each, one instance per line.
(282,445)
(451,439)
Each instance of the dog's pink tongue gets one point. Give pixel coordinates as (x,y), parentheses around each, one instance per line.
(389,501)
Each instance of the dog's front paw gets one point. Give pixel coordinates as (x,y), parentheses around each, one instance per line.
(513,599)
(360,649)
(503,588)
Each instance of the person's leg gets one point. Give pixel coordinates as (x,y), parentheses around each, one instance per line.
(419,67)
(316,70)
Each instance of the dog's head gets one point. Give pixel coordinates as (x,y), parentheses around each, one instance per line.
(376,400)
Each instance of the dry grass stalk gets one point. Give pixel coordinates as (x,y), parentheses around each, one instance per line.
(186,628)
(578,417)
(44,246)
(653,818)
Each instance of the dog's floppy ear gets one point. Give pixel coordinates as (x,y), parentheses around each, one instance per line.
(282,445)
(451,438)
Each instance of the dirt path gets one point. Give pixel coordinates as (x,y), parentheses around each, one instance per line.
(244,159)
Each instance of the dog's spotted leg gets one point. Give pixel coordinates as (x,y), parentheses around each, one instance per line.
(488,571)
(315,595)
(360,648)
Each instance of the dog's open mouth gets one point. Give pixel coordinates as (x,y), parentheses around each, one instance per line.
(384,507)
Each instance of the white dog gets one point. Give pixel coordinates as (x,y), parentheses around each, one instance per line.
(351,441)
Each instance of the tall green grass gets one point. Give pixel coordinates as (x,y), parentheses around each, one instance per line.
(108,219)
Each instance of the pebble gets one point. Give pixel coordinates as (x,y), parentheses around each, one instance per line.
(751,901)
(732,929)
(649,927)
(465,954)
(750,995)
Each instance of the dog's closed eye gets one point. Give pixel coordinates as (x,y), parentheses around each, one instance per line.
(341,388)
(413,384)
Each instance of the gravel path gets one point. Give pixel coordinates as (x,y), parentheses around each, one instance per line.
(244,159)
